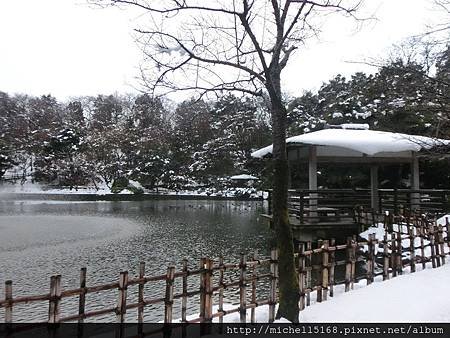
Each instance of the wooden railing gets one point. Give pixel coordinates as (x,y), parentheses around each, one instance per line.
(426,200)
(338,205)
(321,267)
(247,270)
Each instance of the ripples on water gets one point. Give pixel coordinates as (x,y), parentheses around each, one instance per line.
(39,239)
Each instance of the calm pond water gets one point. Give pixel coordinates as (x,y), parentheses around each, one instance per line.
(42,238)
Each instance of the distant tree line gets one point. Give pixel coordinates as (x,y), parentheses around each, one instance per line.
(90,140)
(110,137)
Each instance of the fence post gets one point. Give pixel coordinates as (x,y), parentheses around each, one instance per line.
(141,293)
(422,244)
(242,289)
(399,252)
(348,264)
(202,288)
(301,274)
(410,234)
(385,256)
(122,299)
(308,273)
(370,259)
(221,288)
(394,255)
(209,290)
(82,298)
(9,304)
(332,266)
(412,249)
(436,244)
(319,281)
(253,300)
(55,299)
(184,290)
(325,267)
(353,271)
(168,299)
(432,245)
(447,227)
(441,243)
(273,284)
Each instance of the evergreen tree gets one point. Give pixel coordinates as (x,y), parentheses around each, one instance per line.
(192,129)
(234,126)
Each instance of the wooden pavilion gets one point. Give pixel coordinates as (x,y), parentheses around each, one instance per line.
(357,145)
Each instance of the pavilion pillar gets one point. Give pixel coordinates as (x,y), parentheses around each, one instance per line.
(312,180)
(415,182)
(374,199)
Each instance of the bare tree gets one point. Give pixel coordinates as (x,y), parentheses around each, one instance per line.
(236,45)
(443,27)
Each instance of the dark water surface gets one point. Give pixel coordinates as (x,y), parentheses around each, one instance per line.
(39,239)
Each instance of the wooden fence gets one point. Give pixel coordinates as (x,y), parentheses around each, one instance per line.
(246,283)
(408,241)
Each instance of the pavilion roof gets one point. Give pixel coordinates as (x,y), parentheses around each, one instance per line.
(369,142)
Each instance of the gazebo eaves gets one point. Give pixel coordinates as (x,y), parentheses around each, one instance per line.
(369,143)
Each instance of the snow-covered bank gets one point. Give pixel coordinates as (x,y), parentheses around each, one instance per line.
(417,297)
(35,189)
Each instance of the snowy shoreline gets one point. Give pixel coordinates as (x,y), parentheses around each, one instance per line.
(103,193)
(81,196)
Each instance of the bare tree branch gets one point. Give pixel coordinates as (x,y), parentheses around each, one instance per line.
(194,56)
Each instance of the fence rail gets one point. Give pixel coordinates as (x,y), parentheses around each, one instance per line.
(338,205)
(408,241)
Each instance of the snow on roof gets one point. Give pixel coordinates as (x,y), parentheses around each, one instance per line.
(363,126)
(368,142)
(243,177)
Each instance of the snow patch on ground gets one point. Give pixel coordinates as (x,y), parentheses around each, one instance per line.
(379,232)
(401,299)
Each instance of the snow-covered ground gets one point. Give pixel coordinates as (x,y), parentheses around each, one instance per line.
(417,297)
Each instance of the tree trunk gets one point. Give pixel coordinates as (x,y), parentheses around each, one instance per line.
(288,281)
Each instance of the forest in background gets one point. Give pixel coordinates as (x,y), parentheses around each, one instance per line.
(109,139)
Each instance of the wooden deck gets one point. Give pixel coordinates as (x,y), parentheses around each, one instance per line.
(325,208)
(344,222)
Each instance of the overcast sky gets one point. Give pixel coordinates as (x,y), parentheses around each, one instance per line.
(66,48)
